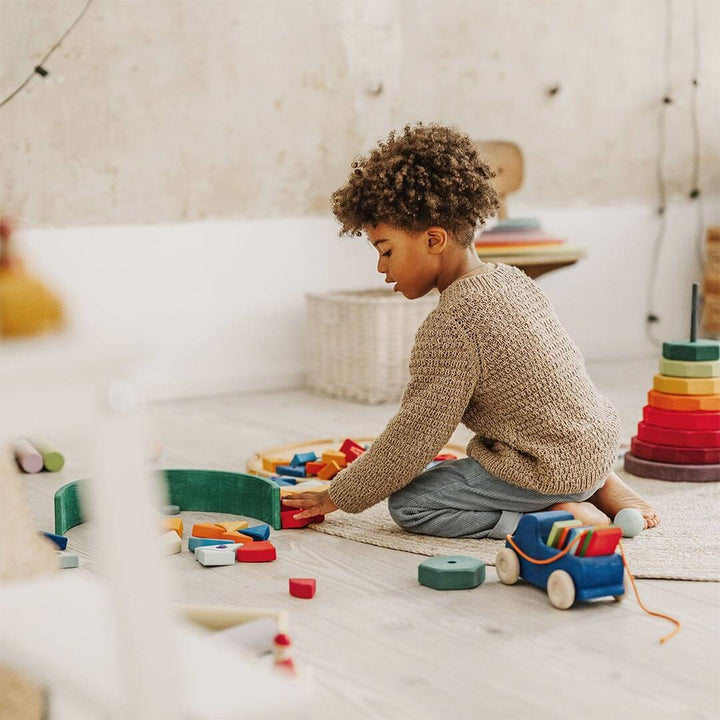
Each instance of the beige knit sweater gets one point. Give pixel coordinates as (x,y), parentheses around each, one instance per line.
(494,356)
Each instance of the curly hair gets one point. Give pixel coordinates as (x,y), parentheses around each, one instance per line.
(429,175)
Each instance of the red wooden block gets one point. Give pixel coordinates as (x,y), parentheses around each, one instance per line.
(313,468)
(678,438)
(671,471)
(669,454)
(288,521)
(302,587)
(263,551)
(603,541)
(681,420)
(445,456)
(351,450)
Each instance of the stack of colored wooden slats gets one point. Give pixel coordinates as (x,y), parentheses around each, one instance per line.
(516,237)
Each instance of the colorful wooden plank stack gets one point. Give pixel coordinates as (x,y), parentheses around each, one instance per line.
(593,539)
(679,436)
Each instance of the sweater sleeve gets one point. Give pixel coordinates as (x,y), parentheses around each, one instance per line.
(444,371)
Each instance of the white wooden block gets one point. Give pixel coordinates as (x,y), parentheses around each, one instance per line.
(212,555)
(170,543)
(218,547)
(67,560)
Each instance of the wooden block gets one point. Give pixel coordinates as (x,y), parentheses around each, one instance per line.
(313,468)
(170,510)
(678,438)
(691,403)
(215,555)
(302,587)
(573,532)
(329,471)
(237,537)
(681,420)
(256,552)
(603,541)
(170,543)
(59,540)
(692,351)
(444,457)
(53,461)
(671,471)
(671,454)
(288,521)
(207,530)
(270,463)
(451,572)
(351,450)
(283,481)
(303,488)
(557,528)
(258,532)
(291,471)
(175,524)
(303,459)
(689,368)
(67,560)
(334,456)
(686,386)
(194,543)
(232,525)
(27,457)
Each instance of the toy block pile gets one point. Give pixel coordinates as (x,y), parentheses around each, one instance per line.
(307,465)
(225,543)
(679,435)
(586,540)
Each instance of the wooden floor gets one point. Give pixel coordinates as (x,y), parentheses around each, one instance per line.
(381,645)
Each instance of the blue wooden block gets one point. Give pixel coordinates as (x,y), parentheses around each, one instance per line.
(291,471)
(258,532)
(194,543)
(302,458)
(282,481)
(59,540)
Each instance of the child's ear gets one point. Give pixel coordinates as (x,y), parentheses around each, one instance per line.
(437,240)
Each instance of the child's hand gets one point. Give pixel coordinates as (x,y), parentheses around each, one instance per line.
(313,503)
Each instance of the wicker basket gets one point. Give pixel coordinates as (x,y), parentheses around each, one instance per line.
(358,343)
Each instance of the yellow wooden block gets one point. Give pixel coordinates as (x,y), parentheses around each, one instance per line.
(237,537)
(329,471)
(686,386)
(285,491)
(233,525)
(270,464)
(173,523)
(334,456)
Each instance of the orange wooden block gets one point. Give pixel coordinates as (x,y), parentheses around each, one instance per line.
(233,525)
(692,403)
(334,456)
(208,530)
(174,523)
(237,537)
(329,471)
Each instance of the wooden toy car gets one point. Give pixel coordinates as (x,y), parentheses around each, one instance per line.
(568,579)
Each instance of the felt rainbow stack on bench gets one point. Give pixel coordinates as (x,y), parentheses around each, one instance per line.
(679,435)
(594,539)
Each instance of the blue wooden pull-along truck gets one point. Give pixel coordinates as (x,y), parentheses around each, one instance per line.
(568,579)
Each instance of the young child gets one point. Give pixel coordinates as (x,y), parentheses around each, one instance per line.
(493,355)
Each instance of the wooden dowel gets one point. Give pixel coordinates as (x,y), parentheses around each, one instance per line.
(694,315)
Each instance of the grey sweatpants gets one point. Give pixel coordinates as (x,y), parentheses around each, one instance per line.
(460,499)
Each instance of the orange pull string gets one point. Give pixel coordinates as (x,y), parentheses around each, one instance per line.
(564,552)
(649,612)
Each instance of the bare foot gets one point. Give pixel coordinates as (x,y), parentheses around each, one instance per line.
(615,495)
(586,512)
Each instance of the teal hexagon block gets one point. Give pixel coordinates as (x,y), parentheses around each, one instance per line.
(451,572)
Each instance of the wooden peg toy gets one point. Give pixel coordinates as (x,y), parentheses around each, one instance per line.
(302,587)
(695,350)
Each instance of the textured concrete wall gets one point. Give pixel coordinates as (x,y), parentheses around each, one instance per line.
(172,110)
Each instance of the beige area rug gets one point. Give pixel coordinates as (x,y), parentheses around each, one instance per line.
(685,546)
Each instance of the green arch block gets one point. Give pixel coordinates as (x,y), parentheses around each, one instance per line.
(200,490)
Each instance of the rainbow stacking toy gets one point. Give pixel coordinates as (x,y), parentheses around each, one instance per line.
(679,435)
